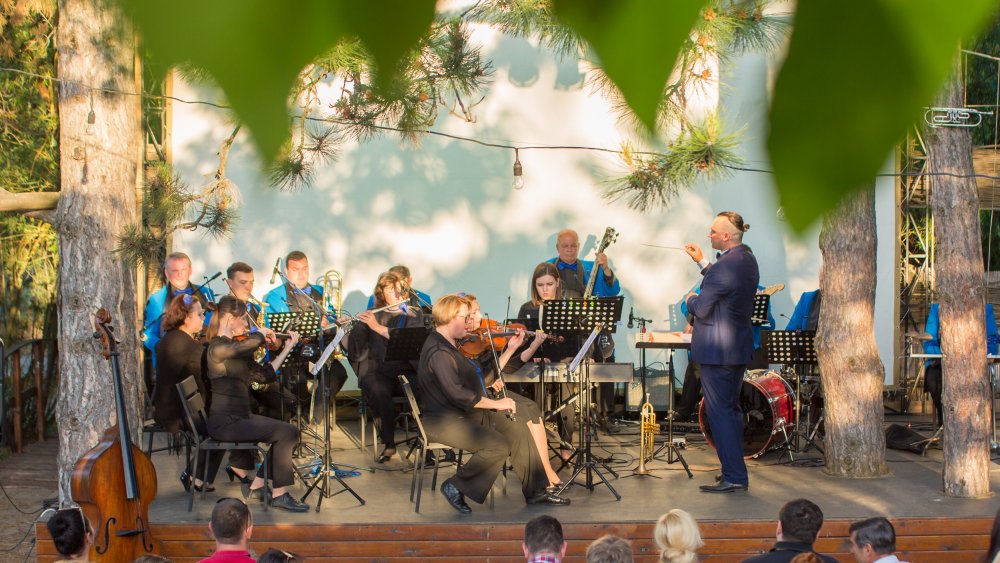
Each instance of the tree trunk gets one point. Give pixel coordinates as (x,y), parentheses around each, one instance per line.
(99,163)
(961,295)
(853,375)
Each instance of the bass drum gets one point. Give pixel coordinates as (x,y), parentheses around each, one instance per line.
(768,404)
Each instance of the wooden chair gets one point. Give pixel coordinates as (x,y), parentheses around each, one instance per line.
(197,433)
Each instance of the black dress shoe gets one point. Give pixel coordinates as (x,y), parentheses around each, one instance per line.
(545,497)
(233,475)
(454,497)
(723,487)
(286,502)
(187,481)
(386,455)
(255,494)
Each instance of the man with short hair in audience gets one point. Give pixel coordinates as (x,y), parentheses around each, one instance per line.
(799,522)
(543,540)
(232,526)
(609,549)
(873,541)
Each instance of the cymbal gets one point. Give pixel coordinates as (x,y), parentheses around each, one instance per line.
(918,335)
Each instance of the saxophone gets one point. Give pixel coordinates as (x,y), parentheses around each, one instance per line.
(647,436)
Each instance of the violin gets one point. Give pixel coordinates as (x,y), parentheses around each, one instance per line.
(115,482)
(479,339)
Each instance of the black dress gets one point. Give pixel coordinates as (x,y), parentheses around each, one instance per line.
(379,379)
(452,385)
(230,373)
(180,356)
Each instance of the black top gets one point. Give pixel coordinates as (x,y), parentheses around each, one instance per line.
(784,552)
(450,382)
(299,301)
(231,369)
(366,348)
(178,357)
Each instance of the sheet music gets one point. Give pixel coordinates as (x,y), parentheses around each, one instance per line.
(575,364)
(328,351)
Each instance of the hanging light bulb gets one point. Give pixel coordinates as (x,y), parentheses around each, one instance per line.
(518,182)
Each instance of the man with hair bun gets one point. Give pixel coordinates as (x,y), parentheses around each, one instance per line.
(722,340)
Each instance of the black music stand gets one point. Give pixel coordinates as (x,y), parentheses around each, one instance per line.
(792,349)
(307,324)
(761,303)
(579,315)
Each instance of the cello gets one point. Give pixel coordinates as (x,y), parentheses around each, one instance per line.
(115,482)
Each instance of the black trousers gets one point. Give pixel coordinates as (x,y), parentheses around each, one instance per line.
(212,457)
(281,435)
(934,385)
(690,392)
(379,390)
(490,437)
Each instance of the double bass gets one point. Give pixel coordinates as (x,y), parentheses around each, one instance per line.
(115,482)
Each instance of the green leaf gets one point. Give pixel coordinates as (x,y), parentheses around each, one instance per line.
(858,73)
(637,42)
(255,48)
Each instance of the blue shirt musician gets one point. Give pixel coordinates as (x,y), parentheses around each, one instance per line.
(806,313)
(415,297)
(177,271)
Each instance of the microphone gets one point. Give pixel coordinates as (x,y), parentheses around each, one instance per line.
(274,272)
(631,318)
(213,278)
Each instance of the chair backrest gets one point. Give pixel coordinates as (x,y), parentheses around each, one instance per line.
(413,406)
(193,403)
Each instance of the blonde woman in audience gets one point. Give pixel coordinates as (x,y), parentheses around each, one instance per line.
(678,538)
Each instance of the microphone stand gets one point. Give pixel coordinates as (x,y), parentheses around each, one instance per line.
(327,468)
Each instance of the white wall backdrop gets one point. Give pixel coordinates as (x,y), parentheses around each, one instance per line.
(446,208)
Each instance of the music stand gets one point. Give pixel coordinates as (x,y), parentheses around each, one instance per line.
(307,324)
(793,348)
(405,345)
(580,315)
(761,303)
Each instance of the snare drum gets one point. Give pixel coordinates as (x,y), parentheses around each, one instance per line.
(767,403)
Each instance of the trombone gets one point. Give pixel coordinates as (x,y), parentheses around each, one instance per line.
(333,294)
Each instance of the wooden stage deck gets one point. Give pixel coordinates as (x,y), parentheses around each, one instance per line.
(930,526)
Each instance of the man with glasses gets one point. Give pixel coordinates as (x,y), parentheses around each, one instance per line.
(232,526)
(873,541)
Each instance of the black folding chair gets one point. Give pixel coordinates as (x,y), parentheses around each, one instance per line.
(197,433)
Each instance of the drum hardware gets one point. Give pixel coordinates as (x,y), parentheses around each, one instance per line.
(770,396)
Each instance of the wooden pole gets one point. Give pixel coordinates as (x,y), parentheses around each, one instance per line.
(38,358)
(15,379)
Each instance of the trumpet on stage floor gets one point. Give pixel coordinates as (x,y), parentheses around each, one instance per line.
(647,436)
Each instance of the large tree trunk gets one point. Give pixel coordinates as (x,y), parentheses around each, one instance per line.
(99,165)
(845,341)
(961,295)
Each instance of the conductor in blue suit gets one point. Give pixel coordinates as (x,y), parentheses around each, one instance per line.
(722,340)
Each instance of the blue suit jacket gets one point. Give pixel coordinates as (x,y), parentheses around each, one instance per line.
(722,332)
(601,287)
(800,316)
(933,328)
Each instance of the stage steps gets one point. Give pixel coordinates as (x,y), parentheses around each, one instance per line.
(919,540)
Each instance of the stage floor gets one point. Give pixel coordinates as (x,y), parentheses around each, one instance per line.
(912,489)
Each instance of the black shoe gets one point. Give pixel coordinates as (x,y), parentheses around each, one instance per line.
(723,487)
(286,502)
(386,454)
(448,455)
(454,497)
(187,481)
(233,476)
(545,497)
(252,494)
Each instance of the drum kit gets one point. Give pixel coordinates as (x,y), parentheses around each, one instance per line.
(779,410)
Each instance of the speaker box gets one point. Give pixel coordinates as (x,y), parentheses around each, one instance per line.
(656,385)
(902,438)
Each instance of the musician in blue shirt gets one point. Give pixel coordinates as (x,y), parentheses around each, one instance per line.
(415,297)
(932,371)
(806,313)
(177,271)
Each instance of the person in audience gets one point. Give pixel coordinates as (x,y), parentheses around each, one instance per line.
(873,541)
(993,553)
(232,526)
(807,557)
(609,549)
(71,533)
(799,522)
(543,540)
(677,537)
(274,555)
(152,559)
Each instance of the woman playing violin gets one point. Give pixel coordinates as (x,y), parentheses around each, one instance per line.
(378,378)
(230,372)
(527,409)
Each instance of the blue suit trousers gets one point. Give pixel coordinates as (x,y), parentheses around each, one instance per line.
(721,386)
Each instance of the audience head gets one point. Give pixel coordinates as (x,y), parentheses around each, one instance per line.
(152,559)
(677,536)
(544,283)
(807,557)
(609,549)
(71,532)
(177,270)
(183,310)
(278,556)
(872,539)
(799,521)
(543,535)
(231,522)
